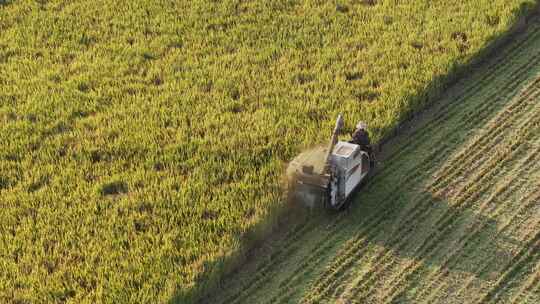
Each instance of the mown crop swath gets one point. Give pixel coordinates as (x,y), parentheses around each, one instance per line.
(142,142)
(451,216)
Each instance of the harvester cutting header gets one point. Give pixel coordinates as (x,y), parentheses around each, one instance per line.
(327,176)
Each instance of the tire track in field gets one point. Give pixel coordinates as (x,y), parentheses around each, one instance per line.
(485,141)
(278,256)
(431,294)
(472,156)
(532,285)
(526,161)
(531,159)
(412,217)
(528,255)
(288,247)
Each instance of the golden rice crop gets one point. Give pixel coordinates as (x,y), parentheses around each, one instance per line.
(141,140)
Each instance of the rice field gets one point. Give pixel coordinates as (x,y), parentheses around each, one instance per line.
(142,142)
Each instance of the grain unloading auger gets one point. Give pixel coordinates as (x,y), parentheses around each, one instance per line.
(327,176)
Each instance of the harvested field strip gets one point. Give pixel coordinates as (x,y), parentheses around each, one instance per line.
(448,226)
(529,203)
(458,249)
(465,244)
(528,255)
(532,285)
(270,266)
(498,128)
(524,210)
(388,261)
(474,117)
(455,189)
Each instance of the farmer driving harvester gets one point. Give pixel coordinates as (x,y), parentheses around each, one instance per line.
(327,176)
(361,137)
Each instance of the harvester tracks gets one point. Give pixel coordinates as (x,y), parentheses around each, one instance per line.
(439,191)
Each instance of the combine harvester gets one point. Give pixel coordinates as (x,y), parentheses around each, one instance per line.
(327,177)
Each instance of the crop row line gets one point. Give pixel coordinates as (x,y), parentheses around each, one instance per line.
(528,160)
(397,287)
(320,246)
(482,110)
(475,163)
(472,188)
(279,255)
(280,252)
(484,141)
(444,222)
(449,226)
(501,193)
(528,254)
(476,117)
(532,285)
(529,202)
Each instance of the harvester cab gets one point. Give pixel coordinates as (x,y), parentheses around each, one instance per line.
(328,176)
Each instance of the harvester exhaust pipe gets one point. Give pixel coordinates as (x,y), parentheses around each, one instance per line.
(333,142)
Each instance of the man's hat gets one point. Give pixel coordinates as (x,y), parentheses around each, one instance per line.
(361,125)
